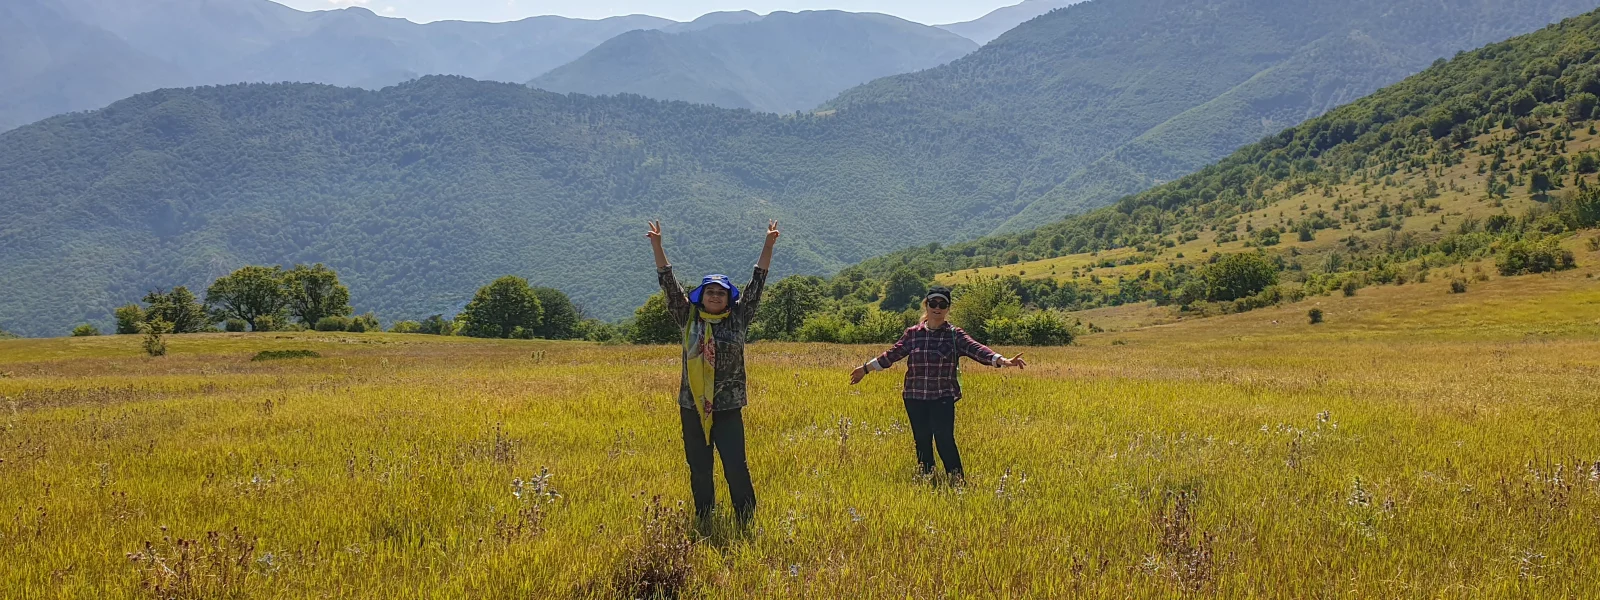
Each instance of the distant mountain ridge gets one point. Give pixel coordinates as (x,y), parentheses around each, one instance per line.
(88,53)
(782,62)
(988,27)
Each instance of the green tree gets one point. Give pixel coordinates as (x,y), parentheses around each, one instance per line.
(406,327)
(1581,106)
(438,325)
(652,324)
(85,330)
(500,308)
(981,301)
(903,290)
(179,309)
(128,319)
(249,294)
(314,292)
(1238,276)
(561,318)
(786,305)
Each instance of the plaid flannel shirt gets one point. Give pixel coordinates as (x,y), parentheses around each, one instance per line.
(934,357)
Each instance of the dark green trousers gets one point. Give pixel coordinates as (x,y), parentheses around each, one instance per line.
(727,439)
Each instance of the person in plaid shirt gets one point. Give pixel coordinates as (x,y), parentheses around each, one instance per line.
(933,349)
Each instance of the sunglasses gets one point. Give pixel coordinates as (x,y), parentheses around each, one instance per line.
(939,303)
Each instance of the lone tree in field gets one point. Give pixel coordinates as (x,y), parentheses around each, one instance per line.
(1238,276)
(314,292)
(1315,315)
(502,308)
(249,294)
(179,309)
(561,318)
(652,324)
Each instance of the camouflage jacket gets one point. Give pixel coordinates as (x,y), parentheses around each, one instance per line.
(730,335)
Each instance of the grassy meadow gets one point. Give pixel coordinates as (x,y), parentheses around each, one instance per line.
(1418,444)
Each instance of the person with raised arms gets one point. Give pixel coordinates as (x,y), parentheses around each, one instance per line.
(934,349)
(711,393)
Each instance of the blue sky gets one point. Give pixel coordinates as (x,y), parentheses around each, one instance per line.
(932,12)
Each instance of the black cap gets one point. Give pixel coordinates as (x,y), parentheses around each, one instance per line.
(938,291)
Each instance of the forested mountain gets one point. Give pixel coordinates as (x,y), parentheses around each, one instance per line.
(419,193)
(1492,153)
(988,27)
(59,56)
(781,63)
(1101,99)
(50,62)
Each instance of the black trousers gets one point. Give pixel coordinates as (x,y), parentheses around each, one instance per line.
(727,438)
(933,424)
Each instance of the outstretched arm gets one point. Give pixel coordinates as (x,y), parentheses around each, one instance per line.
(981,353)
(898,351)
(677,302)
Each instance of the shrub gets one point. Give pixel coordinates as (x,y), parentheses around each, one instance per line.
(128,319)
(1594,244)
(85,330)
(1315,315)
(363,324)
(284,355)
(333,324)
(660,562)
(1237,276)
(981,301)
(1350,287)
(406,327)
(155,331)
(235,325)
(595,330)
(1039,328)
(438,325)
(652,324)
(1524,257)
(824,327)
(1458,286)
(875,327)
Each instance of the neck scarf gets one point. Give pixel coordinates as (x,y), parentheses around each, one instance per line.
(700,360)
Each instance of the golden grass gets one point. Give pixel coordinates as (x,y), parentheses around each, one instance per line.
(1417,445)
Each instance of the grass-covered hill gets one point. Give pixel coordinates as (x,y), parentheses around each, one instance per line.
(780,63)
(1101,99)
(1473,168)
(417,194)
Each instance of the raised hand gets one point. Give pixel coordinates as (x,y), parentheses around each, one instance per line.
(765,262)
(655,244)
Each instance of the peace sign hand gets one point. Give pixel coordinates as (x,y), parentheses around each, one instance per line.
(772,232)
(655,232)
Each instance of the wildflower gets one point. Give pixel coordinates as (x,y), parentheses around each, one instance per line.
(855,517)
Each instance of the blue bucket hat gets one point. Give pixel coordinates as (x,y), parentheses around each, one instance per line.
(722,280)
